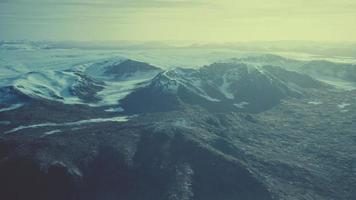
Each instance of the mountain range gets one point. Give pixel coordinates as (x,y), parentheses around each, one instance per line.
(258,127)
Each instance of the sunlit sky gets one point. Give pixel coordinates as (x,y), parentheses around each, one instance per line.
(180,20)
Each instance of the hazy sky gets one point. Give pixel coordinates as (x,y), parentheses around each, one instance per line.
(195,20)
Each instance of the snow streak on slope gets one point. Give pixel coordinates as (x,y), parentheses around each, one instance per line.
(77,123)
(337,82)
(115,91)
(190,79)
(12,107)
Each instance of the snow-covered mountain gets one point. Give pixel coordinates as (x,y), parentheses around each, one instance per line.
(93,85)
(220,87)
(65,86)
(136,87)
(339,74)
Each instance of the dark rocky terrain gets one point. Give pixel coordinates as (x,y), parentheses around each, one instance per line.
(222,132)
(128,68)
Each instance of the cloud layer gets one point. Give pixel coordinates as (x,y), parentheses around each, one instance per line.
(206,20)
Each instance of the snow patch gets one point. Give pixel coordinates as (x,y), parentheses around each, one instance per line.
(182,123)
(343,105)
(224,87)
(241,104)
(315,102)
(115,91)
(52,132)
(117,109)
